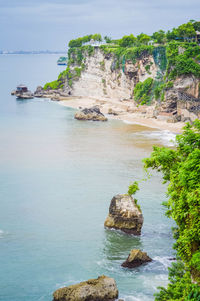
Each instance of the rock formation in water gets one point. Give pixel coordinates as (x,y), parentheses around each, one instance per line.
(93,113)
(135,259)
(124,215)
(101,289)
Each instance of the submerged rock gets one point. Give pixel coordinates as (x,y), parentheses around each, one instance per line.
(135,259)
(93,113)
(124,215)
(101,289)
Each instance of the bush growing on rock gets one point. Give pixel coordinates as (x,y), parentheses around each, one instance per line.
(133,188)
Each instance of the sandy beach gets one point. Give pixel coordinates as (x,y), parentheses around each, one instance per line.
(124,110)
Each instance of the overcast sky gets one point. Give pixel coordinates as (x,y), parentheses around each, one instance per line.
(48,24)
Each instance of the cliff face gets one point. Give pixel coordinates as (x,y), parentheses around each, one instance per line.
(101,79)
(155,84)
(182,101)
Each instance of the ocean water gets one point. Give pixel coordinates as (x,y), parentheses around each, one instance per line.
(57,177)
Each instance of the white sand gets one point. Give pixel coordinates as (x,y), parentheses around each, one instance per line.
(121,108)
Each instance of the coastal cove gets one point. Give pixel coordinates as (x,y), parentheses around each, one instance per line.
(57,177)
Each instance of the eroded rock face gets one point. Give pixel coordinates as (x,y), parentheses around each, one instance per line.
(135,259)
(124,215)
(102,78)
(93,113)
(101,289)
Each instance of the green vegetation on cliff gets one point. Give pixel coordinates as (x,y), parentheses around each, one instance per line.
(76,57)
(142,91)
(81,41)
(181,169)
(183,58)
(175,52)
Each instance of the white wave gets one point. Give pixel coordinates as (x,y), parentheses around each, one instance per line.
(165,137)
(139,297)
(1,233)
(128,122)
(165,261)
(67,283)
(41,100)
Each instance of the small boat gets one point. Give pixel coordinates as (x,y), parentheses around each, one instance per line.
(62,60)
(22,92)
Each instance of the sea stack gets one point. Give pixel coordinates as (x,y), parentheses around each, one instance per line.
(101,289)
(124,215)
(135,259)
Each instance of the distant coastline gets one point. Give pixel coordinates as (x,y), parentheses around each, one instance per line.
(32,52)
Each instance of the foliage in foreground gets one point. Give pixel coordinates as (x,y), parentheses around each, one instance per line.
(181,168)
(180,286)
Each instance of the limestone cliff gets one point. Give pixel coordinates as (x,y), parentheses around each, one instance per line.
(147,76)
(102,79)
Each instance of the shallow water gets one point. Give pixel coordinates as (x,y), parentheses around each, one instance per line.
(57,177)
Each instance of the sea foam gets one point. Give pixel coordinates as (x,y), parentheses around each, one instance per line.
(164,137)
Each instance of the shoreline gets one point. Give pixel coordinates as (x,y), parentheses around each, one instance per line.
(121,108)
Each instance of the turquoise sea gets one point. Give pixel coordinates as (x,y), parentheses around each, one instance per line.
(57,177)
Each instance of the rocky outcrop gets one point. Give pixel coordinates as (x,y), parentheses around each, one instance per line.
(23,95)
(135,259)
(56,95)
(101,289)
(93,113)
(181,101)
(112,112)
(188,83)
(124,215)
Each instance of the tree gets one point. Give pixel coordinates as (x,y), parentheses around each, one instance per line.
(127,41)
(108,39)
(143,38)
(181,169)
(86,39)
(196,26)
(75,43)
(159,36)
(186,31)
(97,37)
(171,35)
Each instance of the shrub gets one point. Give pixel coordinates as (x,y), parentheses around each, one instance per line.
(133,188)
(52,85)
(142,91)
(127,41)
